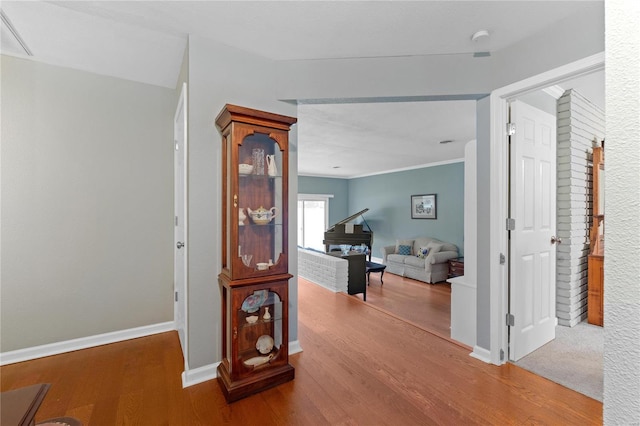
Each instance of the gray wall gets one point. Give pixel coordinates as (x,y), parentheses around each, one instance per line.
(219,74)
(462,75)
(339,188)
(570,39)
(87,204)
(387,196)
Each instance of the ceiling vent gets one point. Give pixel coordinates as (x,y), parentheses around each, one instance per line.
(11,40)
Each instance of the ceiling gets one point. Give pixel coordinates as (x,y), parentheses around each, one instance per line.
(145,40)
(360,139)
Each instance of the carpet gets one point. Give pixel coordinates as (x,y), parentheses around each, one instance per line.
(574,359)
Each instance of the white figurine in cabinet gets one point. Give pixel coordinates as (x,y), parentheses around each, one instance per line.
(272,170)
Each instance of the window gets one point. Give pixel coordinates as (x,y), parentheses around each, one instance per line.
(313,219)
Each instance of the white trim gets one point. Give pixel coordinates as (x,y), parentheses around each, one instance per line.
(294,347)
(210,371)
(554,91)
(182,101)
(314,196)
(498,235)
(481,353)
(498,188)
(199,375)
(56,348)
(16,35)
(403,169)
(549,78)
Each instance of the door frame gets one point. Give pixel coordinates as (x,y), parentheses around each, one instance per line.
(498,191)
(182,106)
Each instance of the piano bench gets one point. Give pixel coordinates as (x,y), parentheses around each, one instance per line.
(375,267)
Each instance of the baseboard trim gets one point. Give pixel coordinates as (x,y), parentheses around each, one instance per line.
(482,354)
(294,347)
(199,375)
(209,372)
(56,348)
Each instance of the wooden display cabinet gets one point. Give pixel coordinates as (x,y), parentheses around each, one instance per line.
(254,280)
(595,264)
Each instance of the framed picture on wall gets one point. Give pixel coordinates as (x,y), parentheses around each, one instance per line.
(423,206)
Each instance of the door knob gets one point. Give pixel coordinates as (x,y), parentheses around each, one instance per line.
(180,245)
(555,240)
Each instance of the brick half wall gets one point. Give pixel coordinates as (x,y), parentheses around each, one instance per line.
(580,123)
(327,271)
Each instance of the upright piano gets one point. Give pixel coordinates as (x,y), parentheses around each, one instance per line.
(345,232)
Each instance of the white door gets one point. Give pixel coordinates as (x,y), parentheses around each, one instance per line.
(532,277)
(180,220)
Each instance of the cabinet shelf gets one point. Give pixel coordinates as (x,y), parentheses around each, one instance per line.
(252,176)
(255,225)
(260,322)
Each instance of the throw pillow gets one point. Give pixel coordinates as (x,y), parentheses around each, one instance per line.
(422,252)
(403,243)
(404,250)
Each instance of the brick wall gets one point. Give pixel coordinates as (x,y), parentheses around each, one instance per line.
(579,123)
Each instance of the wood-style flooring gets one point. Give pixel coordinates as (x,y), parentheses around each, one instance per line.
(359,366)
(427,306)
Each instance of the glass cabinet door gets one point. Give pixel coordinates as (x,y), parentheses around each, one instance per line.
(259,205)
(260,332)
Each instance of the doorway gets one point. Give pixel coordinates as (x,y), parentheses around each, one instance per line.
(574,357)
(497,285)
(313,220)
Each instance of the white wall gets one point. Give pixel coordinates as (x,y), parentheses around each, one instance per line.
(87,195)
(622,210)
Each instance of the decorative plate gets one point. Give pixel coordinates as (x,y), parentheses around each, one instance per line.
(252,303)
(264,344)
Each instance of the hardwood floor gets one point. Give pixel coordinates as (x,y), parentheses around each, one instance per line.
(360,366)
(427,306)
